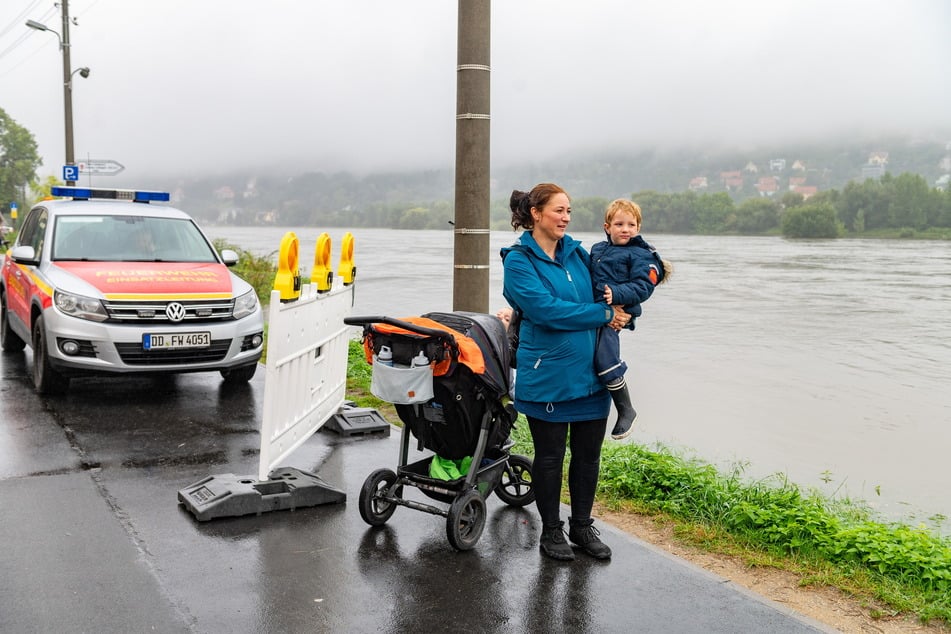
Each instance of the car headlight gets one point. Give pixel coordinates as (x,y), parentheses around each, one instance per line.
(245,305)
(80,306)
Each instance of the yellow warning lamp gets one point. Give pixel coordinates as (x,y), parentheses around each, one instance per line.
(347,271)
(287,280)
(322,275)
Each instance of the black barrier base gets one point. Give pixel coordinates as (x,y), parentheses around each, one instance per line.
(351,421)
(228,495)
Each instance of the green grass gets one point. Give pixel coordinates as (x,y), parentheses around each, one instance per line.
(907,568)
(770,522)
(358,383)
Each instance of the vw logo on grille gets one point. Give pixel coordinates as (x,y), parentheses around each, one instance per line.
(175,312)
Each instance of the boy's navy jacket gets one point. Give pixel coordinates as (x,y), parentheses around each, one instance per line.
(560,319)
(632,271)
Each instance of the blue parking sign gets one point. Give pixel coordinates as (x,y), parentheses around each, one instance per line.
(70,172)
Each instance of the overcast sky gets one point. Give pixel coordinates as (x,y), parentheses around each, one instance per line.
(363,85)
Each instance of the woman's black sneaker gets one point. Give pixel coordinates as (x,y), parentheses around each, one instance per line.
(554,544)
(586,536)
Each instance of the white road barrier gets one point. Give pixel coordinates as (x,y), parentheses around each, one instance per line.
(306,375)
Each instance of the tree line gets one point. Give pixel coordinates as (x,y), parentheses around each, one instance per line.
(19,160)
(901,205)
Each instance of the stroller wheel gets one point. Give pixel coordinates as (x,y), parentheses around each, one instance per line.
(515,485)
(466,520)
(374,509)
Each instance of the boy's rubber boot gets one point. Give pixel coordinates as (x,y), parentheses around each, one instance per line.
(625,413)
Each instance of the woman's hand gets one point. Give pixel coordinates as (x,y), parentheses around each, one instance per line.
(620,318)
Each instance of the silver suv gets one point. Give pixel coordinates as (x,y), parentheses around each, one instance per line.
(107,281)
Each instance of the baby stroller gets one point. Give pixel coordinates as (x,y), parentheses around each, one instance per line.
(448,381)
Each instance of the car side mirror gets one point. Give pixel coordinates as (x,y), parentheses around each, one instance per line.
(229,257)
(24,255)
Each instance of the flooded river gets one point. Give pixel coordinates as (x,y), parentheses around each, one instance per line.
(828,361)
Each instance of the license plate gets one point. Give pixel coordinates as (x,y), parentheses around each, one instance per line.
(176,341)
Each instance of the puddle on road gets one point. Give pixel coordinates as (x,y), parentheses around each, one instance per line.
(210,458)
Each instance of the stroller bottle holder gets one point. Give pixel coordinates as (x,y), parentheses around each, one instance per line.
(401,384)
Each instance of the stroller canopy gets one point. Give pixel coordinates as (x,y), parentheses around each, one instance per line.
(488,333)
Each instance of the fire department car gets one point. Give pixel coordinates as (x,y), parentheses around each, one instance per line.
(106,281)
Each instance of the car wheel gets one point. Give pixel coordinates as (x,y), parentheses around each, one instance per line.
(9,340)
(241,374)
(46,380)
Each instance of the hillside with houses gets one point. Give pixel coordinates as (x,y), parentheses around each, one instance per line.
(778,175)
(345,198)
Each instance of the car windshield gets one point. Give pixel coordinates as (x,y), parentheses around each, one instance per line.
(110,238)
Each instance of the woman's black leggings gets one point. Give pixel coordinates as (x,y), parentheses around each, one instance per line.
(550,440)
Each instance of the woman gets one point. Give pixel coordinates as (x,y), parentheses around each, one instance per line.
(547,278)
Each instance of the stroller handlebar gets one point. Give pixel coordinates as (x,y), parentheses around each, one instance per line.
(422,330)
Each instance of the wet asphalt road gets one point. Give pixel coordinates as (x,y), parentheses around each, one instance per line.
(94,540)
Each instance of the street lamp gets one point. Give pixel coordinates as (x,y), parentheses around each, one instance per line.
(67,79)
(33,24)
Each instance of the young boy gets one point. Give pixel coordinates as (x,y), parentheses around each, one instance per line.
(624,269)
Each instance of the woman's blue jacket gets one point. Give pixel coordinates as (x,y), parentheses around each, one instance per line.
(560,320)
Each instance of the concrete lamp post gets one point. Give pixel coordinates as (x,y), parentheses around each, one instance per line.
(67,80)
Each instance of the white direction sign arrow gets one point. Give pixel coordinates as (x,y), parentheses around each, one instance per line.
(100,166)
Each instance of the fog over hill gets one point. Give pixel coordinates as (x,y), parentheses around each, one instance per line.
(199,88)
(267,195)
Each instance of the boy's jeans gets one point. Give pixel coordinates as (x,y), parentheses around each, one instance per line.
(607,356)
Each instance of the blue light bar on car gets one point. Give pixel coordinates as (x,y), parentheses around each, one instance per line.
(85,193)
